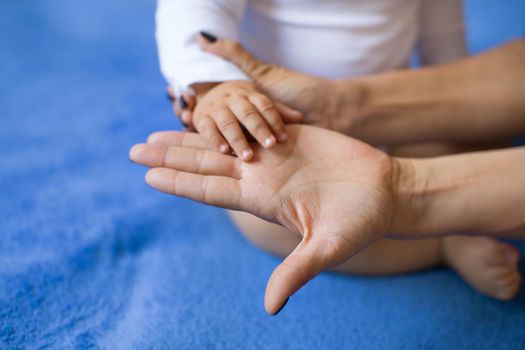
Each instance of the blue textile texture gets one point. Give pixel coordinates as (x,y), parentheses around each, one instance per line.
(92,258)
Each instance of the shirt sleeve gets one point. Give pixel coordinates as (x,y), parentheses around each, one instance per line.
(441,32)
(178,23)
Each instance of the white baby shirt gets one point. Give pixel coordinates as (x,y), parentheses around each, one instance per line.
(328,38)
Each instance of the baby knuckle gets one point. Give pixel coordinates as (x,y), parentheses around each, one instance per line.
(227,124)
(269,109)
(248,115)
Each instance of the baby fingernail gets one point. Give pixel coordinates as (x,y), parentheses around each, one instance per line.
(209,37)
(223,148)
(182,103)
(246,154)
(269,141)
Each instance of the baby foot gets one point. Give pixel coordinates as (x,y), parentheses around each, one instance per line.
(487,265)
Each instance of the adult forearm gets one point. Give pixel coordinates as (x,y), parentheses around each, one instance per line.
(476,99)
(475,193)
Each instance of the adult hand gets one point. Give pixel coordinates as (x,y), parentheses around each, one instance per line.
(332,104)
(334,192)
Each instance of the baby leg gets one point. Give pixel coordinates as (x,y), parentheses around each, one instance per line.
(486,264)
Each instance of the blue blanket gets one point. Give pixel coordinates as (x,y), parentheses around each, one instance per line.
(90,257)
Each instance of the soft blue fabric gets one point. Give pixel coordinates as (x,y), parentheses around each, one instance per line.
(90,257)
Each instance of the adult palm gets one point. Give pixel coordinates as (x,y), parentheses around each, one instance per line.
(333,191)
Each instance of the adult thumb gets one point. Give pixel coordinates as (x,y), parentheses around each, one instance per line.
(303,264)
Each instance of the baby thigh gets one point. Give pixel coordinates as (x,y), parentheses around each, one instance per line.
(381,258)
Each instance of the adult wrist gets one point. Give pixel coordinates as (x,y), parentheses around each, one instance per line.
(410,182)
(444,195)
(346,102)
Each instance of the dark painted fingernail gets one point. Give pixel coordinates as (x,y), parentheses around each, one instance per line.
(209,37)
(182,103)
(282,306)
(169,97)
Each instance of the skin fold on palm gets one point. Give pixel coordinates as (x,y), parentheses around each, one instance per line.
(337,198)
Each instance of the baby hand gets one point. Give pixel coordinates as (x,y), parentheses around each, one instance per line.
(183,107)
(222,110)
